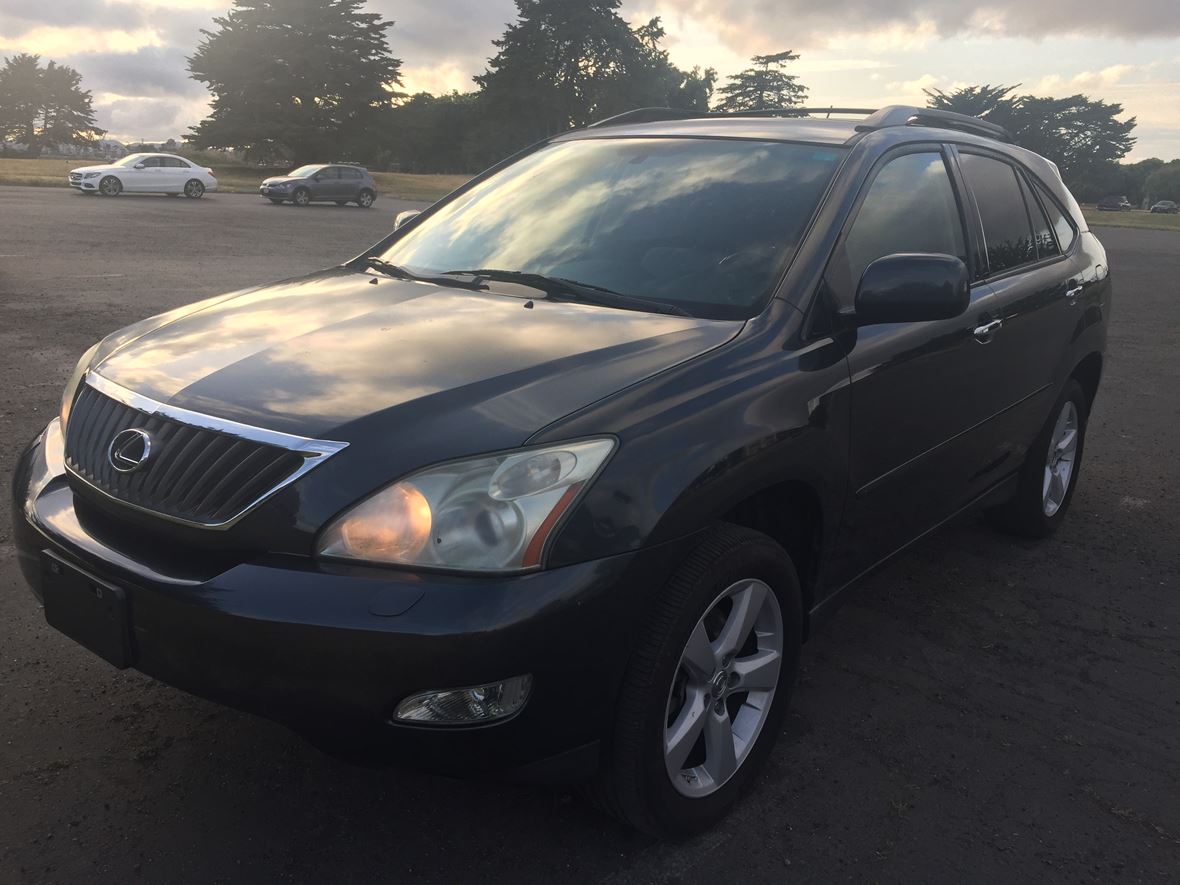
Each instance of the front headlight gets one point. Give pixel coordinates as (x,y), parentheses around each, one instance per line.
(485,514)
(71,391)
(91,174)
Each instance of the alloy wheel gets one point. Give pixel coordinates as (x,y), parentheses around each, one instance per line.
(723,688)
(110,186)
(194,189)
(1059,464)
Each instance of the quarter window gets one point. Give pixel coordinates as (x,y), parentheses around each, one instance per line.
(1061,224)
(910,207)
(1007,231)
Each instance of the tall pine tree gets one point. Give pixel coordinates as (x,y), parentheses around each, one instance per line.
(303,80)
(567,63)
(764,87)
(44,106)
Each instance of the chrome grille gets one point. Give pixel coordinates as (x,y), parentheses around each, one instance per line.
(202,475)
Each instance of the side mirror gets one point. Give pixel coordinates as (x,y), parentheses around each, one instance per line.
(404,218)
(912,288)
(140,166)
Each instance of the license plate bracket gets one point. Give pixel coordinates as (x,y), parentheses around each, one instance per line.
(87,609)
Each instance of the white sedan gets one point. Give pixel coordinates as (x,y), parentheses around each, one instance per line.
(145,174)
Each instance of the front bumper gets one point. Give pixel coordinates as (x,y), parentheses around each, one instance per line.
(84,184)
(275,193)
(330,651)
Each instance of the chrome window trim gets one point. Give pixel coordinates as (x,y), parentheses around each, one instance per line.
(314,451)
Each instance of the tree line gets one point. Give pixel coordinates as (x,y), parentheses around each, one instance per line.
(293,82)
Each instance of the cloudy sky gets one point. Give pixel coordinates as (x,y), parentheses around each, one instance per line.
(131,53)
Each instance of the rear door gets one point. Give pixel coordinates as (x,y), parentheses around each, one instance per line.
(922,393)
(1037,287)
(174,173)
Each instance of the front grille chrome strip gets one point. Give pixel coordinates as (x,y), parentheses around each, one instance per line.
(313,451)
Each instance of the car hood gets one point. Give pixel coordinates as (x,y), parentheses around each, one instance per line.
(104,167)
(343,354)
(282,179)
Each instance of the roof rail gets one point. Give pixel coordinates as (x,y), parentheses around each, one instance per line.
(885,118)
(905,115)
(647,115)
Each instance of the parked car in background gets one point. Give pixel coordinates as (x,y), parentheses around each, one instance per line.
(1114,204)
(339,183)
(1166,207)
(145,174)
(556,479)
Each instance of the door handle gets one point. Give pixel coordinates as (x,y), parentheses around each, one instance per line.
(983,334)
(1072,295)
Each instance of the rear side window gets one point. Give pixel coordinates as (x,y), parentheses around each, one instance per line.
(1061,223)
(350,174)
(1007,232)
(910,207)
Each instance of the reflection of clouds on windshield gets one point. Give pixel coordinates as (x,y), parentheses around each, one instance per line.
(594,200)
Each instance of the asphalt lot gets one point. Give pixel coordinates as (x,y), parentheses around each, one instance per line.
(983,710)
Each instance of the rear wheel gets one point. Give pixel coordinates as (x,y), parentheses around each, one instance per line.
(193,189)
(110,186)
(365,199)
(707,687)
(301,197)
(1050,472)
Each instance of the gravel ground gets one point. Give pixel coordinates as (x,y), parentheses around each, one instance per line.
(982,710)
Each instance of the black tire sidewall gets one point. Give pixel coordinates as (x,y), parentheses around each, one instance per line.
(295,197)
(673,813)
(1025,515)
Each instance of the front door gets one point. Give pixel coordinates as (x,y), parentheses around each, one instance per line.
(922,392)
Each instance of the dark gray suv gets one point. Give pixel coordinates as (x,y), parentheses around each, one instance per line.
(337,183)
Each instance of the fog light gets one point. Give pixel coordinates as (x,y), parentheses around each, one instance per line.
(466,706)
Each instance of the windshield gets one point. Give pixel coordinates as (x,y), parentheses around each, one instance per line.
(703,224)
(132,159)
(305,171)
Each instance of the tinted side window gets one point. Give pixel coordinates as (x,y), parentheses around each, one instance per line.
(1006,229)
(1061,224)
(1043,238)
(910,207)
(350,174)
(150,162)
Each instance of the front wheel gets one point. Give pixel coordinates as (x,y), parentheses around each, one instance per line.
(301,197)
(110,186)
(704,695)
(365,199)
(1050,472)
(194,189)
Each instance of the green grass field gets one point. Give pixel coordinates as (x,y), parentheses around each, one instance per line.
(1135,218)
(232,178)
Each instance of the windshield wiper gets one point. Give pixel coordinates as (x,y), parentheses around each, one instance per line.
(401,273)
(561,289)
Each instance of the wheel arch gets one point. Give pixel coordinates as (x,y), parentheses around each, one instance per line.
(791,514)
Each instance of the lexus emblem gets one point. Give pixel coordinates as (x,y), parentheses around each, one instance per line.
(130,449)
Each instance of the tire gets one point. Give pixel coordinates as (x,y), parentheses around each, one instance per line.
(365,198)
(110,186)
(301,197)
(194,189)
(687,789)
(1042,496)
